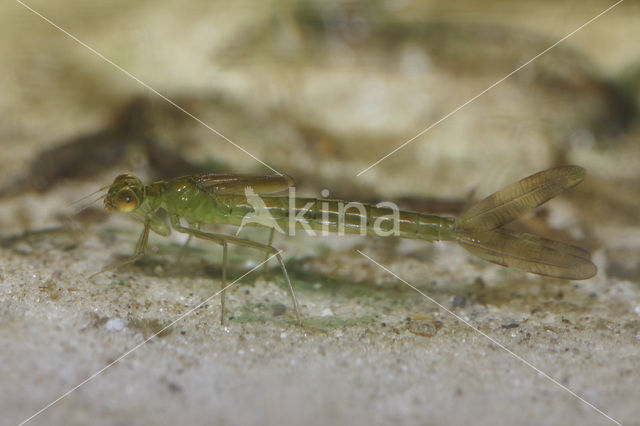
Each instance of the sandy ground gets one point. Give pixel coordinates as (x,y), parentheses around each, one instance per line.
(319,93)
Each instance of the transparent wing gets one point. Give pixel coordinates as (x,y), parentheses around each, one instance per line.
(529,253)
(515,200)
(236,184)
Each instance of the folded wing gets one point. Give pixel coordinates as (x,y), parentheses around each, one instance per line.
(529,253)
(236,184)
(515,200)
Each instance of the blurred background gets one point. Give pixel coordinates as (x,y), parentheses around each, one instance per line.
(320,91)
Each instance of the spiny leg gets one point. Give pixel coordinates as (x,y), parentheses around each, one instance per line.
(223,239)
(141,248)
(223,282)
(223,285)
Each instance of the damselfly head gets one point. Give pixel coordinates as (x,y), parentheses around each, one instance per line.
(124,195)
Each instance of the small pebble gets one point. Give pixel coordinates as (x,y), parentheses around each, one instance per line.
(279,309)
(458,301)
(326,313)
(510,325)
(115,324)
(23,248)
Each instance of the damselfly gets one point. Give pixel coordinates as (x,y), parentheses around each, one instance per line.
(240,200)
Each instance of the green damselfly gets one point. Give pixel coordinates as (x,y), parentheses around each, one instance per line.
(240,200)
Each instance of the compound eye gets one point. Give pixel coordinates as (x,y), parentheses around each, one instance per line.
(126,201)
